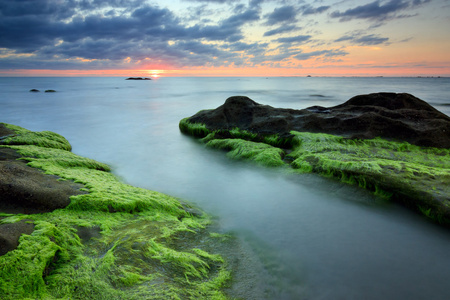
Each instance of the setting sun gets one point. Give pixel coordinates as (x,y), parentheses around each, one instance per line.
(155,73)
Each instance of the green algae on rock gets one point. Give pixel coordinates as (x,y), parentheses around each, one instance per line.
(241,149)
(417,177)
(46,139)
(114,242)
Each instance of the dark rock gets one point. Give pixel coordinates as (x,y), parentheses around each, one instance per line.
(138,78)
(34,90)
(10,234)
(88,233)
(388,115)
(5,131)
(50,91)
(27,190)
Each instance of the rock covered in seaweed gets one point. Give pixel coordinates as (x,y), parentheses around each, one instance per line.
(388,115)
(26,190)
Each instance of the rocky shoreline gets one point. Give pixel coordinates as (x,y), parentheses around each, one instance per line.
(394,145)
(70,229)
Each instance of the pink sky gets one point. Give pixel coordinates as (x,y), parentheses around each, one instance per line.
(225,38)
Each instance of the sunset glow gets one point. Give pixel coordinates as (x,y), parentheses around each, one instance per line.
(225,38)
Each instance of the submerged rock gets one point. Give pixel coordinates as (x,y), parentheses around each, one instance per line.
(34,90)
(388,115)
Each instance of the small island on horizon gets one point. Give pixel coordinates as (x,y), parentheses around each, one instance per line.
(138,78)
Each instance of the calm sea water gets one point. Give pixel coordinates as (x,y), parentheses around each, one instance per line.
(320,239)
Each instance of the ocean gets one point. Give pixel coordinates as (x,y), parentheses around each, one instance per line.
(319,239)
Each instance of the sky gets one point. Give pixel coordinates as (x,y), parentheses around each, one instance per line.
(224,38)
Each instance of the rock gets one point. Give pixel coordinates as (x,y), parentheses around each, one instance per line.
(390,116)
(34,90)
(27,190)
(10,234)
(5,131)
(50,91)
(138,78)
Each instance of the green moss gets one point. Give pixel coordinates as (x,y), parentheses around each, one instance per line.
(141,244)
(415,176)
(258,152)
(194,129)
(46,139)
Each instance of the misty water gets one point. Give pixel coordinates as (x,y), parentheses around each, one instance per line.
(318,239)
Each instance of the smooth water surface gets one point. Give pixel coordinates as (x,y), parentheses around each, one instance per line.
(320,239)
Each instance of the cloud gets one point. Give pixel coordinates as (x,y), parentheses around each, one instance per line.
(371,39)
(360,38)
(323,53)
(212,1)
(281,29)
(294,39)
(254,48)
(309,10)
(378,10)
(227,30)
(282,14)
(90,32)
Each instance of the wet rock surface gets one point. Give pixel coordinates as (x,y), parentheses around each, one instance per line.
(26,190)
(393,116)
(10,234)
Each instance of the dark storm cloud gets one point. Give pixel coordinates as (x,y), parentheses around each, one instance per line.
(282,14)
(378,10)
(31,32)
(51,29)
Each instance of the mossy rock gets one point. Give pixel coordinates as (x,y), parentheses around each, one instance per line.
(417,177)
(114,241)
